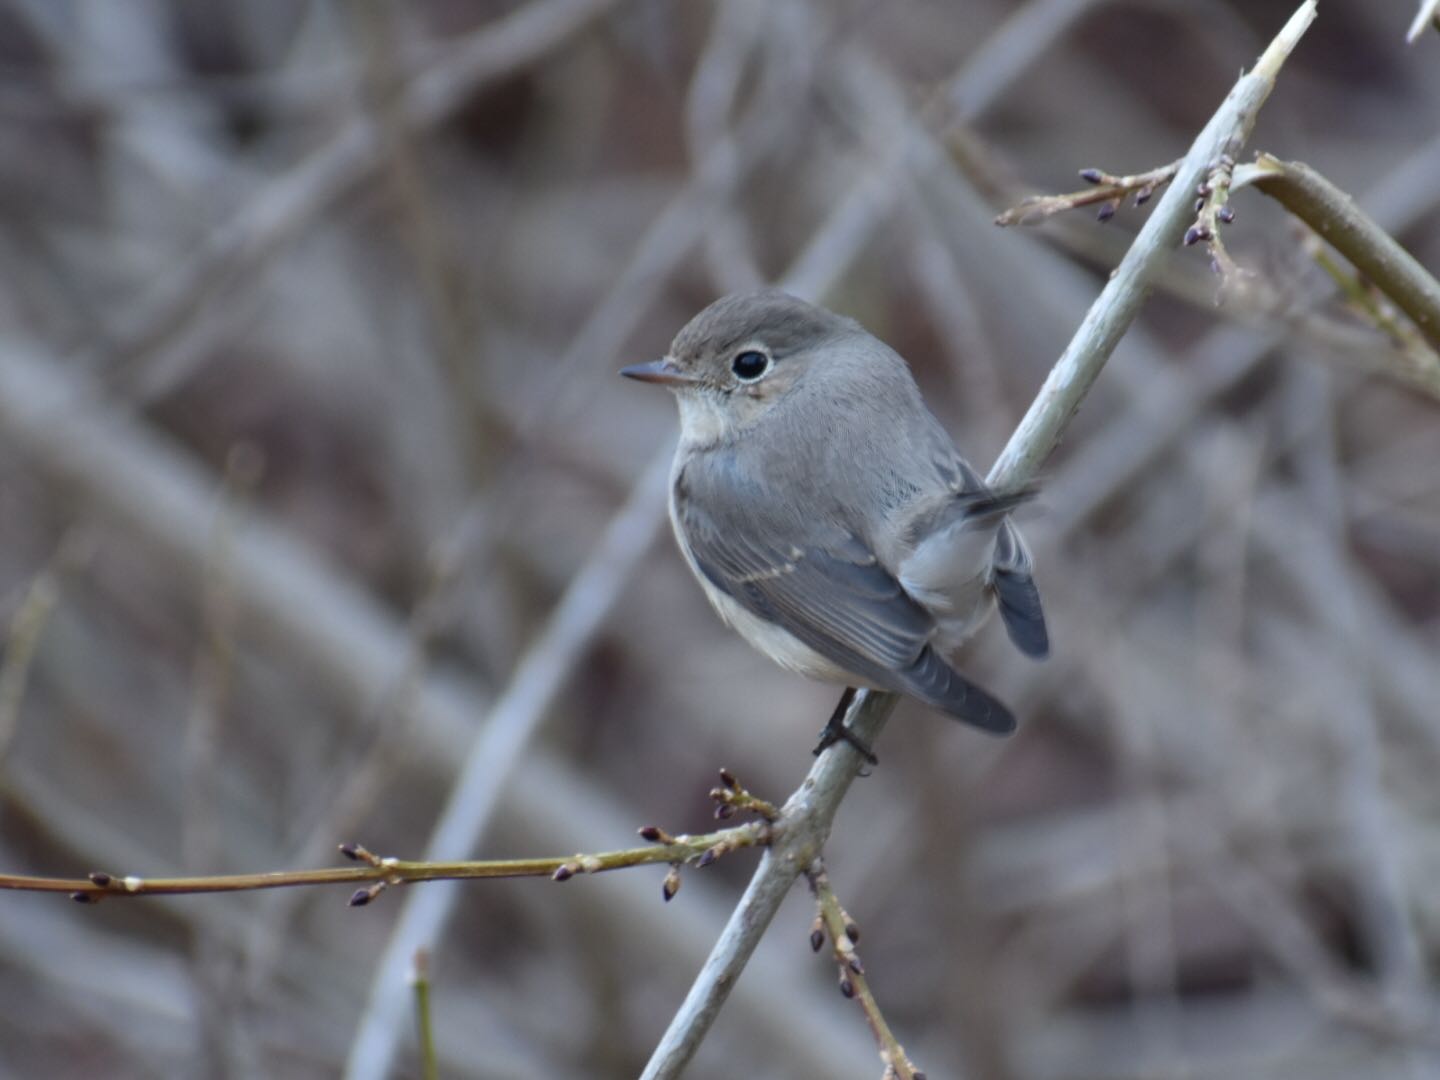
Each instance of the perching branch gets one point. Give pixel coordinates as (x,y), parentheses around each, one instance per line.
(805,820)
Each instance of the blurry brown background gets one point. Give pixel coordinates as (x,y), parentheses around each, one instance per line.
(309,325)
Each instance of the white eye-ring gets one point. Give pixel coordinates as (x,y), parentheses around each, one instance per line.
(749,365)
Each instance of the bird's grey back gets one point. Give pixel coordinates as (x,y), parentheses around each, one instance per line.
(861,428)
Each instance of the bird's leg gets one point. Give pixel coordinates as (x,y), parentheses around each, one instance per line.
(836,731)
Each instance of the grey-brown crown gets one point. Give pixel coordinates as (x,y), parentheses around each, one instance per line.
(784,323)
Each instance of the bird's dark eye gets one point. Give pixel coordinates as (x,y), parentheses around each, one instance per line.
(749,365)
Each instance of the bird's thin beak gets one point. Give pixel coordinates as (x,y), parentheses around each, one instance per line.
(662,371)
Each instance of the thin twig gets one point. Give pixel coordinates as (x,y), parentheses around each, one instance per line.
(20,641)
(1212,211)
(372,870)
(424,1023)
(806,819)
(1362,296)
(1107,190)
(853,982)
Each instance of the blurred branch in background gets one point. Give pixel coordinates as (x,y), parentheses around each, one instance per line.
(286,205)
(1210,850)
(1427,16)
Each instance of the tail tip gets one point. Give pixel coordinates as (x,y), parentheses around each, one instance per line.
(1020,611)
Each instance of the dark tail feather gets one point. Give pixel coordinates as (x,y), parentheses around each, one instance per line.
(1018,598)
(936,683)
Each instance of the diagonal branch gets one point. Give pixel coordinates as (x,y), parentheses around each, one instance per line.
(806,819)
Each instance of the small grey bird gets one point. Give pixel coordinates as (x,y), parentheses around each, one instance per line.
(828,515)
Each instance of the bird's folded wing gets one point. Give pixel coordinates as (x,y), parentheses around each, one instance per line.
(833,595)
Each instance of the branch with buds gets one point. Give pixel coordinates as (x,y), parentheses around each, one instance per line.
(834,921)
(373,873)
(1388,288)
(1388,285)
